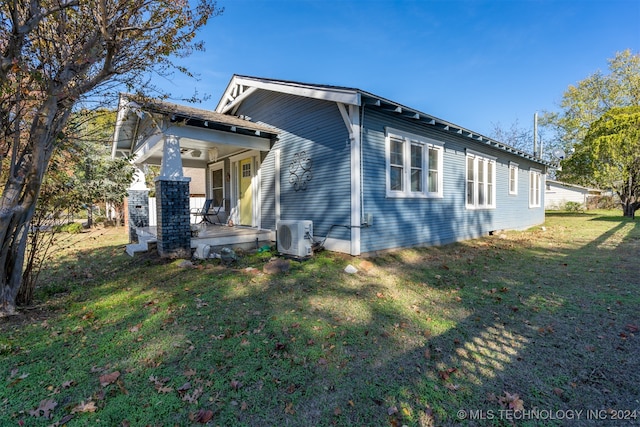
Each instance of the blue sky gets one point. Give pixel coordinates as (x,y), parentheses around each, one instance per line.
(472,63)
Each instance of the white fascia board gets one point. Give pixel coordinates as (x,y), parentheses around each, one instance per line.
(218,137)
(238,100)
(345,96)
(152,145)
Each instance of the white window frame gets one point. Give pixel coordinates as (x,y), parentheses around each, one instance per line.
(429,147)
(487,180)
(535,188)
(215,167)
(513,180)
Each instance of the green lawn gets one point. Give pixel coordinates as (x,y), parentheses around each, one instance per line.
(545,319)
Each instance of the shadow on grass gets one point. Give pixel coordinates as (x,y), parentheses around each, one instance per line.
(486,325)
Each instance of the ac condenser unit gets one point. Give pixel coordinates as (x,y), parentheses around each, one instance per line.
(295,238)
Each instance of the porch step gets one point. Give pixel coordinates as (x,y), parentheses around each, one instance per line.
(144,240)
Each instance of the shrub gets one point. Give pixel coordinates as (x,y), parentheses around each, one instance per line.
(72,227)
(573,207)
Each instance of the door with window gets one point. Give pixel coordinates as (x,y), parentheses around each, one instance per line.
(246,197)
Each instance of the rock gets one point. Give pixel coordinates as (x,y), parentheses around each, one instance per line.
(276,266)
(350,269)
(185,264)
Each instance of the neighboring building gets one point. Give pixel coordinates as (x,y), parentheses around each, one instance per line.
(557,194)
(370,173)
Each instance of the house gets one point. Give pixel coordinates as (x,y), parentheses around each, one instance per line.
(371,174)
(557,194)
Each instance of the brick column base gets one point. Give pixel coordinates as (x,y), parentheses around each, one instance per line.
(174,229)
(138,207)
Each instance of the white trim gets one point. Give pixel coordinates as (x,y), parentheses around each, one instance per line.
(326,93)
(209,180)
(486,161)
(234,200)
(220,137)
(277,161)
(356,180)
(346,119)
(513,166)
(533,173)
(238,100)
(426,144)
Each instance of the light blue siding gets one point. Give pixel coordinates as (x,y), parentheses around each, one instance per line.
(403,222)
(317,129)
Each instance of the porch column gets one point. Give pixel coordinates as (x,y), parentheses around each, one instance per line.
(137,204)
(172,203)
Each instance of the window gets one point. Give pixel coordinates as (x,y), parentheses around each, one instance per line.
(414,165)
(217,185)
(535,179)
(481,178)
(513,178)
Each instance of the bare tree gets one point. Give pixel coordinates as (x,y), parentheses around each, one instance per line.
(55,54)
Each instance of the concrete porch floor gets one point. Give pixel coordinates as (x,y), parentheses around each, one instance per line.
(236,236)
(219,236)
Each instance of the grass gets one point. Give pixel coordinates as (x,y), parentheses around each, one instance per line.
(542,319)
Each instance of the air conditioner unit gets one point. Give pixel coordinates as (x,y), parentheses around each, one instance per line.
(295,238)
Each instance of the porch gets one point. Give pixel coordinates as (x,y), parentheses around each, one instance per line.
(227,149)
(214,235)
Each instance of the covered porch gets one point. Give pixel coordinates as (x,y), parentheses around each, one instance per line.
(228,150)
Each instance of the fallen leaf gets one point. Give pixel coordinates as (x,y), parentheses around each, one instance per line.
(164,390)
(68,384)
(337,411)
(189,373)
(184,387)
(512,401)
(558,391)
(235,384)
(288,409)
(244,406)
(111,378)
(90,406)
(632,328)
(135,328)
(202,416)
(392,410)
(44,409)
(447,373)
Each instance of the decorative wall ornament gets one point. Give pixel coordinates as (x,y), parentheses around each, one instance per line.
(300,171)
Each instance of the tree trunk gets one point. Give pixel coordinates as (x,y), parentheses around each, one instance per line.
(18,200)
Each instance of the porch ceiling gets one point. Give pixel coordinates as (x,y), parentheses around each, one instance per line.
(140,130)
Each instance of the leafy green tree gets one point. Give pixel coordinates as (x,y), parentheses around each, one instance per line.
(584,103)
(609,157)
(98,178)
(55,54)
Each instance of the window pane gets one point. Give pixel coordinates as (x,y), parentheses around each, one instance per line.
(395,178)
(416,180)
(481,182)
(217,197)
(416,156)
(433,170)
(396,152)
(217,178)
(433,181)
(470,181)
(512,179)
(490,183)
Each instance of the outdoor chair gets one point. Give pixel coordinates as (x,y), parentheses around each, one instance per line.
(208,210)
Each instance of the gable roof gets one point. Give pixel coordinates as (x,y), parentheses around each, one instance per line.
(240,87)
